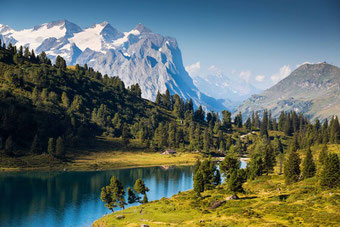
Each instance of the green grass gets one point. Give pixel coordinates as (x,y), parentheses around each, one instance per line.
(267,201)
(109,153)
(303,203)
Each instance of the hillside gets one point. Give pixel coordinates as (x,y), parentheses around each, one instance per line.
(137,56)
(313,89)
(266,201)
(51,101)
(49,108)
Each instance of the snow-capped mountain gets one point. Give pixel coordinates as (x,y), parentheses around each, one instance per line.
(138,56)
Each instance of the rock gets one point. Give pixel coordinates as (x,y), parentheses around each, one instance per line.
(232,197)
(216,204)
(120,217)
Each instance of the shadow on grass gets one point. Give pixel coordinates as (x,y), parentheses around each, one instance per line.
(248,197)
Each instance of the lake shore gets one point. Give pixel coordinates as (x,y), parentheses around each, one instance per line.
(107,153)
(97,161)
(266,201)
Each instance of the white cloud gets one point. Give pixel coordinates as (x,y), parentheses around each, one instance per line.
(260,78)
(283,73)
(245,75)
(215,70)
(307,62)
(303,63)
(193,69)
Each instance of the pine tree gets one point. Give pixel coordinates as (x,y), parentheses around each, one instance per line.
(330,175)
(269,159)
(64,99)
(292,167)
(125,135)
(255,167)
(158,98)
(50,146)
(167,100)
(226,119)
(235,182)
(217,178)
(264,125)
(229,164)
(35,95)
(26,53)
(308,165)
(9,146)
(113,194)
(36,146)
(323,155)
(59,148)
(132,198)
(280,159)
(335,130)
(248,125)
(238,120)
(198,182)
(140,188)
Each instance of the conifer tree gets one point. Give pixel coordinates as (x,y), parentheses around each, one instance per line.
(323,155)
(235,182)
(198,182)
(335,130)
(132,198)
(51,146)
(64,99)
(35,95)
(264,125)
(217,178)
(36,146)
(269,159)
(59,148)
(113,194)
(292,167)
(229,164)
(125,135)
(226,119)
(255,167)
(330,175)
(26,52)
(238,120)
(140,188)
(308,165)
(158,98)
(167,100)
(9,146)
(248,125)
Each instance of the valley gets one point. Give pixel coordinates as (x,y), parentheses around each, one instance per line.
(220,126)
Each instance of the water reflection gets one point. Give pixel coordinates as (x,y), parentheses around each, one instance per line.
(73,198)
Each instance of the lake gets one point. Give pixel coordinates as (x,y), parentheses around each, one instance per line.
(73,198)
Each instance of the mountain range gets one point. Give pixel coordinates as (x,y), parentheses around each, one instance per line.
(232,90)
(138,56)
(313,89)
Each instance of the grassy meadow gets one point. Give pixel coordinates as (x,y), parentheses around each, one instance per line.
(107,153)
(267,201)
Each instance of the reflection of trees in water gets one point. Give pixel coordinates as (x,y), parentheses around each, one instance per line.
(27,194)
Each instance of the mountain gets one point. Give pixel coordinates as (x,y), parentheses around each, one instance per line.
(313,89)
(138,56)
(232,90)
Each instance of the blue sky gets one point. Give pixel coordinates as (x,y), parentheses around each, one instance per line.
(258,40)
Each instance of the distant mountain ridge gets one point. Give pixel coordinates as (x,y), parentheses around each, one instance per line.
(138,56)
(313,89)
